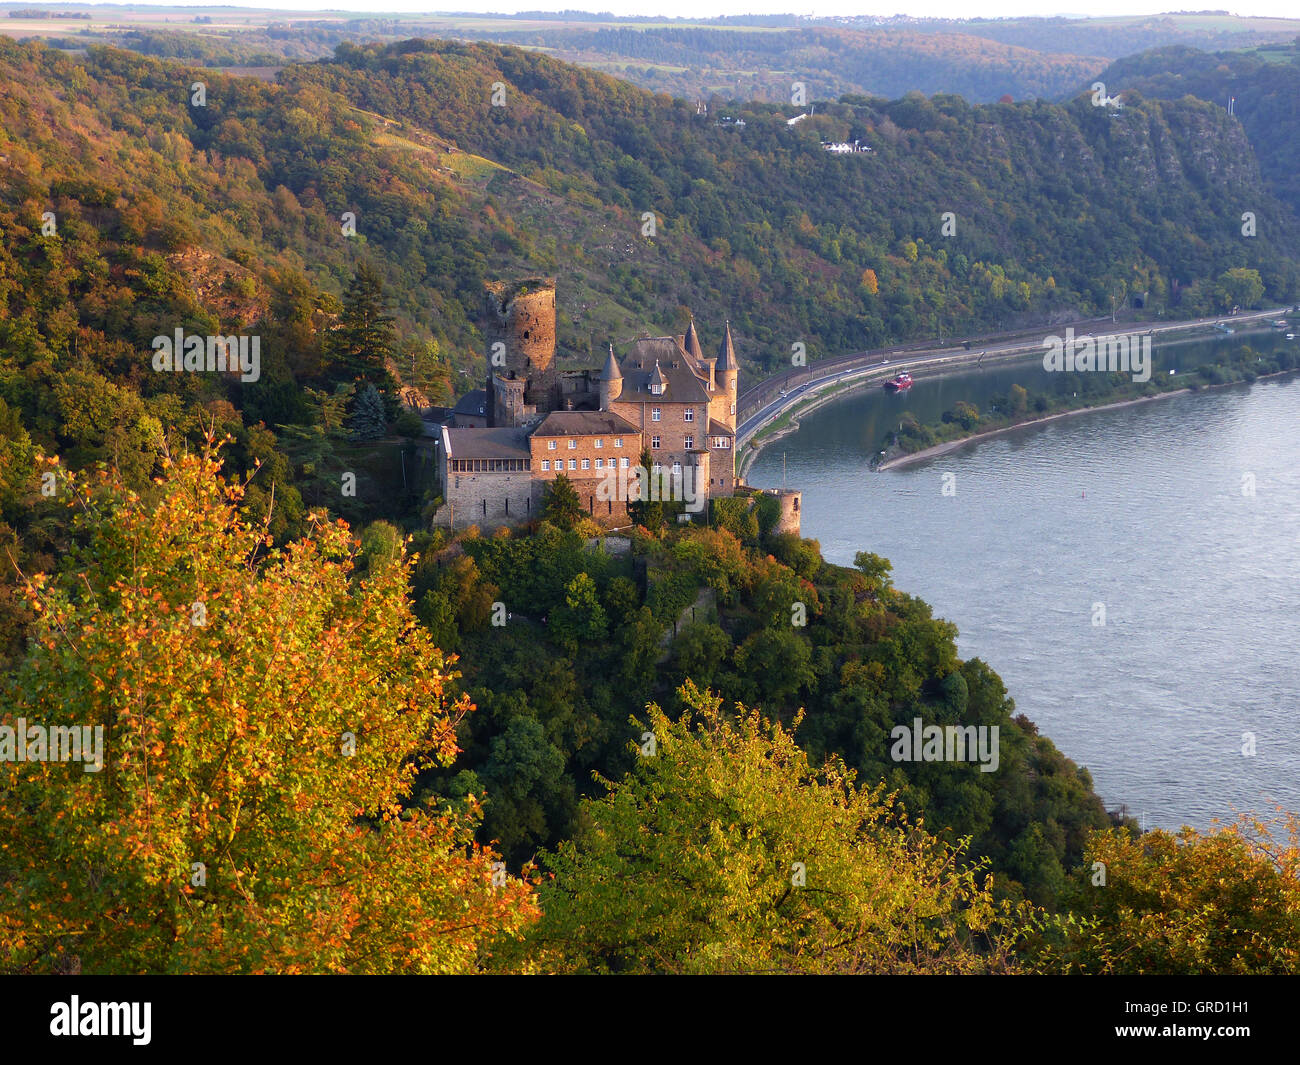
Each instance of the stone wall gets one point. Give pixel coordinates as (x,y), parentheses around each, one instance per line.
(490,499)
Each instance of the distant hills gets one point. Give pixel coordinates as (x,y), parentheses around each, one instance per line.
(738,57)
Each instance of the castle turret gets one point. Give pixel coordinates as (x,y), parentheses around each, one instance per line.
(610,381)
(728,375)
(519,328)
(691,342)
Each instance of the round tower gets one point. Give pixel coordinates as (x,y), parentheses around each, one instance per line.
(520,317)
(791,503)
(728,375)
(611,381)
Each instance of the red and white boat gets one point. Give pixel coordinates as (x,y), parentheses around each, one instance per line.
(900,383)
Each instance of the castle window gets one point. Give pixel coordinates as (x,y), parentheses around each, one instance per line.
(689,414)
(733,408)
(600,464)
(586,464)
(618,441)
(623,463)
(688,442)
(550,445)
(599,443)
(655,414)
(573,464)
(573,445)
(546,465)
(677,469)
(654,442)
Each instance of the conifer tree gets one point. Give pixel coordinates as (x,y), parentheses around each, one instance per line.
(368,421)
(363,340)
(643,511)
(560,503)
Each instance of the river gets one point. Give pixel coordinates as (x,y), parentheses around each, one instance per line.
(1132,574)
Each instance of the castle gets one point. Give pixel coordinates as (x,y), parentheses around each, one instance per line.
(533,421)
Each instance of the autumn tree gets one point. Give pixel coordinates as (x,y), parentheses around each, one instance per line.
(1222,901)
(723,850)
(264,712)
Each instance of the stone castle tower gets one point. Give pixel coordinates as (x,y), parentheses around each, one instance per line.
(610,381)
(519,328)
(726,371)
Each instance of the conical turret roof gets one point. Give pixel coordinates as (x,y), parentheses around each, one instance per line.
(611,372)
(727,353)
(692,342)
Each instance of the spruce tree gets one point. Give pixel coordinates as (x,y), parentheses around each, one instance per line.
(643,511)
(368,420)
(560,503)
(363,340)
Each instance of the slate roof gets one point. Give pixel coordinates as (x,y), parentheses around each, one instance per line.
(611,370)
(691,342)
(585,423)
(683,386)
(473,403)
(727,353)
(501,443)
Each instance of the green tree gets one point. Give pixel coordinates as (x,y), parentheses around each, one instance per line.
(363,340)
(580,620)
(560,503)
(647,512)
(724,851)
(1224,901)
(1239,287)
(368,421)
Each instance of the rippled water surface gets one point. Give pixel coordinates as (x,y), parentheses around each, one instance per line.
(1140,510)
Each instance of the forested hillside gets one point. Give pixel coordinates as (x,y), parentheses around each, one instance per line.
(140,196)
(1057,208)
(175,566)
(1263,87)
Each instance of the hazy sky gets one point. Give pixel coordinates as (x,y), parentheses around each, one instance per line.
(705,8)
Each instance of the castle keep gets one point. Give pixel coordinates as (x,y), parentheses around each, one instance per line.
(533,422)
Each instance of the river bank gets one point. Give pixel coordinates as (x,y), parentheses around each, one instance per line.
(949,446)
(939,363)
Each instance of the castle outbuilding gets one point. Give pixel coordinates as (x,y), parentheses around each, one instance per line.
(661,395)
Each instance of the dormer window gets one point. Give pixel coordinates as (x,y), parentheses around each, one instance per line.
(656,389)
